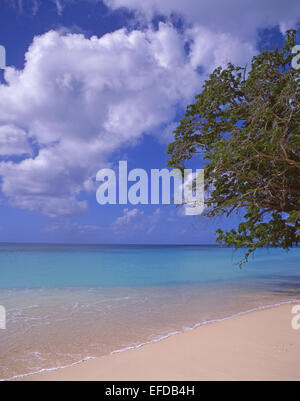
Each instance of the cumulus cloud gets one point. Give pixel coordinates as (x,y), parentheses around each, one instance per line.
(79,100)
(239,18)
(210,49)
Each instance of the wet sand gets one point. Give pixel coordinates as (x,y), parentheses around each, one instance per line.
(260,345)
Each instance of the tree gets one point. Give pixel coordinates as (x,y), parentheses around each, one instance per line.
(246,125)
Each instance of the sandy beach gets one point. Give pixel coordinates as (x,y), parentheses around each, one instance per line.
(260,345)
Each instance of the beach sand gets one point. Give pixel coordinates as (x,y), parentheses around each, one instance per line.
(260,345)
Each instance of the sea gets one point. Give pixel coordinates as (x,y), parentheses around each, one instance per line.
(66,304)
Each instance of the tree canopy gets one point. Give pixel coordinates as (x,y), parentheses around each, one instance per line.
(246,125)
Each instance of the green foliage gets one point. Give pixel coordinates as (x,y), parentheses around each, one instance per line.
(246,125)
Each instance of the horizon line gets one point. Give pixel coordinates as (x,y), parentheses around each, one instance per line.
(101,244)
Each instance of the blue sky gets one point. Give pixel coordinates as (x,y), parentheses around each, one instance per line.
(90,83)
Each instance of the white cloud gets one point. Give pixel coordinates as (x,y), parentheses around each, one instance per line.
(239,18)
(79,100)
(130,222)
(128,217)
(136,220)
(210,49)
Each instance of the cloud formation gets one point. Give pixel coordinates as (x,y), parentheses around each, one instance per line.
(135,220)
(239,18)
(128,217)
(78,100)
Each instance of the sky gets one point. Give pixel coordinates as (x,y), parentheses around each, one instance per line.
(89,83)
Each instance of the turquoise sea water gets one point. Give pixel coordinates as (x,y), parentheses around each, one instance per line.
(61,266)
(66,303)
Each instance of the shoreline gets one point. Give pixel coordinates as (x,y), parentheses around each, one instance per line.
(148,355)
